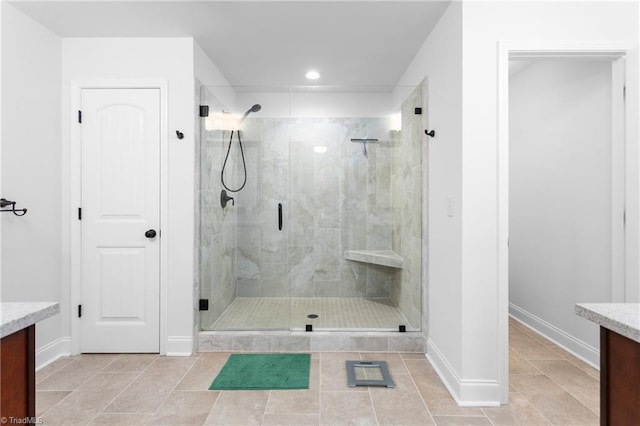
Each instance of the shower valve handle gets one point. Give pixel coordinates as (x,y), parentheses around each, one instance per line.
(224,199)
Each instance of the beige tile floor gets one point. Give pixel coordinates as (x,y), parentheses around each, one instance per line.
(350,313)
(547,386)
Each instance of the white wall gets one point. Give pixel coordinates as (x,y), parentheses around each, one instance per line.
(170,60)
(31,253)
(210,75)
(484,25)
(440,60)
(560,183)
(460,60)
(330,103)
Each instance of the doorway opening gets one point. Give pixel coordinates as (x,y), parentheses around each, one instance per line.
(133,317)
(562,173)
(566,202)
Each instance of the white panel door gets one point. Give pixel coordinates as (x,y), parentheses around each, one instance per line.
(120,203)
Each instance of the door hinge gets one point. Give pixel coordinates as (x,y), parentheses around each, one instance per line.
(624,92)
(79,213)
(624,218)
(203,305)
(79,311)
(79,116)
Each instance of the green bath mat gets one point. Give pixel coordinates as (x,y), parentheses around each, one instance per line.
(264,371)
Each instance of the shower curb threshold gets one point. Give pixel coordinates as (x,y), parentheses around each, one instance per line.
(316,341)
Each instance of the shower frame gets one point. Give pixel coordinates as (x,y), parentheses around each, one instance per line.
(354,155)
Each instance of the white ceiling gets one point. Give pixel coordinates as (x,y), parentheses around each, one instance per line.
(266,43)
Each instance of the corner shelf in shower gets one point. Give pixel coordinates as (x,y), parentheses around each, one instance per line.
(377,257)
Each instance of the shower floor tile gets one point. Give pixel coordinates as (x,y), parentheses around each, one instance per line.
(273,313)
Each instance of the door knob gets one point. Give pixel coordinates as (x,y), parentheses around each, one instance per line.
(151,233)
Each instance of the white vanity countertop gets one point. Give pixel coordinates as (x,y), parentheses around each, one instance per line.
(623,318)
(15,316)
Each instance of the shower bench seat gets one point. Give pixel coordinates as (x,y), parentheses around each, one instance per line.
(376,257)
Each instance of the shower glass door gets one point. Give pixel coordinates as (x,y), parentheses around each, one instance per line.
(263,284)
(355,191)
(327,232)
(243,247)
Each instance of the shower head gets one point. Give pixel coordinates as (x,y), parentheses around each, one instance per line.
(255,108)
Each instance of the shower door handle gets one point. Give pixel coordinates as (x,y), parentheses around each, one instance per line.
(279,216)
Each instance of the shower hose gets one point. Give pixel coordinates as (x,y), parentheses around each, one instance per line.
(224,165)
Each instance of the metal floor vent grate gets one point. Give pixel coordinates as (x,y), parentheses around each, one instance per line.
(369,373)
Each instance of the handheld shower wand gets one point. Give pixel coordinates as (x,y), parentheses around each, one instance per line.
(254,108)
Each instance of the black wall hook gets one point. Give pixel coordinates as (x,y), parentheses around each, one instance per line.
(430,133)
(18,212)
(179,134)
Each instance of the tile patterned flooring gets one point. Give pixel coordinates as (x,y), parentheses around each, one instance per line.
(547,386)
(334,313)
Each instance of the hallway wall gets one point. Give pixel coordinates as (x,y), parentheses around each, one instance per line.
(485,26)
(467,342)
(560,195)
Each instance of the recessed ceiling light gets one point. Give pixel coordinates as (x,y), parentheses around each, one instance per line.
(312,75)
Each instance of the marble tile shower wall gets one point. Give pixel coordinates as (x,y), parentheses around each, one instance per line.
(218,227)
(406,202)
(333,201)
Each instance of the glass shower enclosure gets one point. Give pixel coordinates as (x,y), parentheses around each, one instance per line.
(326,234)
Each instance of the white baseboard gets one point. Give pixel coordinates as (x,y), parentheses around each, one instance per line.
(479,393)
(179,346)
(566,341)
(45,355)
(444,370)
(50,352)
(466,393)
